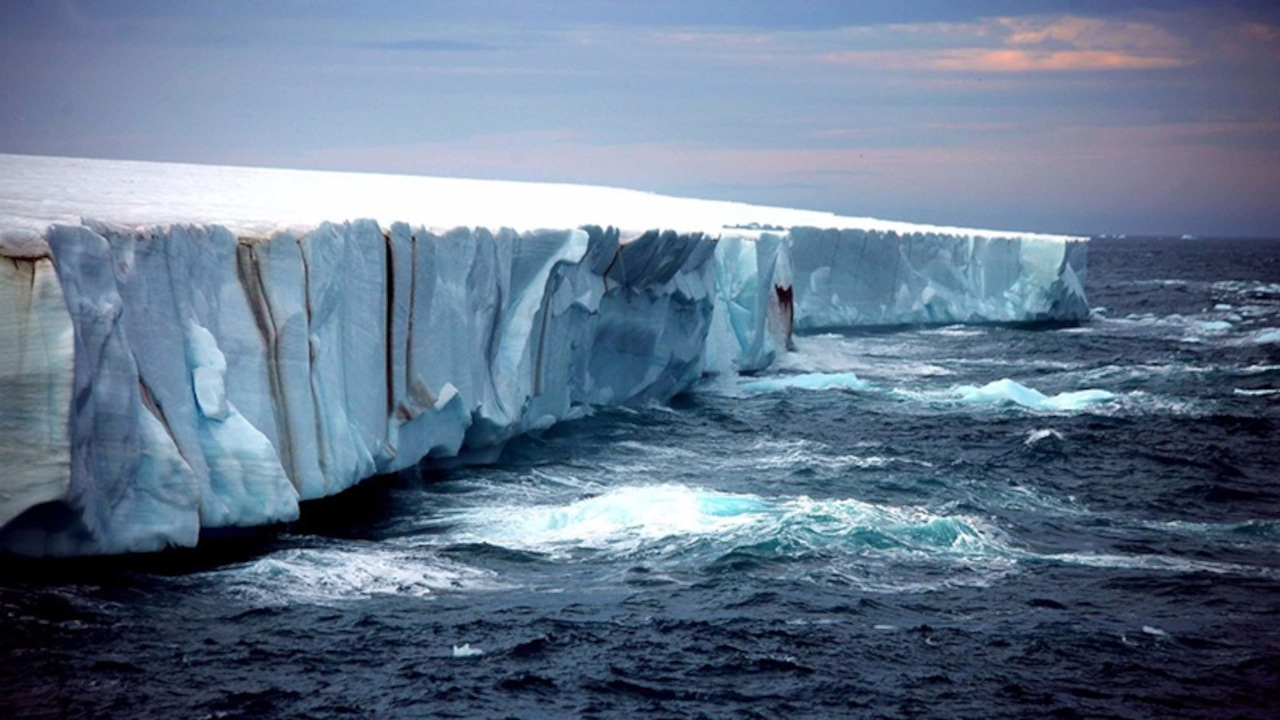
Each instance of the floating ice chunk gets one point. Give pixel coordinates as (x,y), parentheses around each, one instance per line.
(1005,391)
(1269,336)
(465,651)
(1213,326)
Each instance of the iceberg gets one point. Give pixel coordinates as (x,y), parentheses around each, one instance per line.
(184,348)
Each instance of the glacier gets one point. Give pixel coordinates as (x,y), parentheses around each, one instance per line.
(185,348)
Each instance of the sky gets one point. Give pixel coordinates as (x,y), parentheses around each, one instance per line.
(1071,116)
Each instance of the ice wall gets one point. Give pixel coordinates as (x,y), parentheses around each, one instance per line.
(218,351)
(218,381)
(36,350)
(859,277)
(753,311)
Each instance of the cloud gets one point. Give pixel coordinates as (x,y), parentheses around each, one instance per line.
(1052,179)
(1030,44)
(1085,33)
(1046,61)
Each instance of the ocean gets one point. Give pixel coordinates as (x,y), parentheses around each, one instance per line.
(959,522)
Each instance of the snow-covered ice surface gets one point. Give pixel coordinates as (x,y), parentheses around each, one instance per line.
(35,191)
(186,347)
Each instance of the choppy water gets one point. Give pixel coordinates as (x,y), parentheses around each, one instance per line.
(950,522)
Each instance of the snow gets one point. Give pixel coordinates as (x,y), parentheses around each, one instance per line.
(36,191)
(188,347)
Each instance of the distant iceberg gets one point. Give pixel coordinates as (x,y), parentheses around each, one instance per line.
(189,347)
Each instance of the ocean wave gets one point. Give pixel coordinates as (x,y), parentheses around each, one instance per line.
(1006,392)
(1256,392)
(329,575)
(679,524)
(884,356)
(806,381)
(1162,563)
(623,515)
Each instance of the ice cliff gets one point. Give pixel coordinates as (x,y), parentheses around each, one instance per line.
(847,277)
(187,347)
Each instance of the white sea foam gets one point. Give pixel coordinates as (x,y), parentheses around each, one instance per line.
(670,520)
(1040,435)
(886,358)
(806,381)
(328,575)
(1166,563)
(956,331)
(1256,392)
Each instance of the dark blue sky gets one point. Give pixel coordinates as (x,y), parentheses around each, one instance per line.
(1085,116)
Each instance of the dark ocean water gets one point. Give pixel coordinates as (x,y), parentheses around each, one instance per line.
(950,522)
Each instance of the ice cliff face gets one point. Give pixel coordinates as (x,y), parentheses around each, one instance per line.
(161,378)
(754,315)
(858,277)
(217,382)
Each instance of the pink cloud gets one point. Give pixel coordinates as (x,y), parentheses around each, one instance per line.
(1047,61)
(1084,33)
(1006,60)
(1025,45)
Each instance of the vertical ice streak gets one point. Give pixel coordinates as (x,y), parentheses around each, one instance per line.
(36,372)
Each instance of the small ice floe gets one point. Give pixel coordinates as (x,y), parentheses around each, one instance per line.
(1267,337)
(465,651)
(1005,392)
(1213,326)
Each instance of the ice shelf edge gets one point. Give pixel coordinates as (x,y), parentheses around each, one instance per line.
(158,380)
